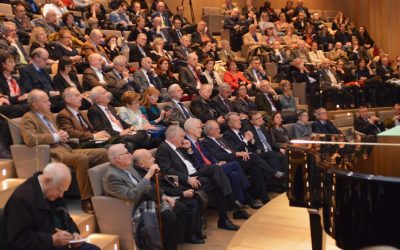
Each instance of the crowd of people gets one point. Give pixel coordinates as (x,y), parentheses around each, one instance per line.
(215,119)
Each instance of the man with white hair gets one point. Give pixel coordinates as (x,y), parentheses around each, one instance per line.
(175,157)
(38,126)
(57,6)
(146,76)
(10,43)
(182,52)
(119,76)
(191,76)
(50,22)
(179,112)
(93,46)
(267,99)
(139,50)
(322,125)
(201,106)
(36,217)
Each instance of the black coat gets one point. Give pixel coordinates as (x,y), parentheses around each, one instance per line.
(100,121)
(220,107)
(217,151)
(5,89)
(31,79)
(257,141)
(328,128)
(202,109)
(28,218)
(135,55)
(367,128)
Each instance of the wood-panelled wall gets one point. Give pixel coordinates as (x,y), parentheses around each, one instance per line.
(379,16)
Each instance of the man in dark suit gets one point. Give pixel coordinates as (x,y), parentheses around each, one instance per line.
(182,52)
(39,127)
(201,107)
(322,125)
(93,46)
(232,170)
(221,102)
(255,74)
(237,28)
(163,32)
(146,76)
(23,23)
(75,123)
(35,76)
(175,157)
(267,99)
(176,33)
(369,125)
(179,112)
(139,50)
(104,117)
(162,13)
(300,8)
(253,165)
(191,76)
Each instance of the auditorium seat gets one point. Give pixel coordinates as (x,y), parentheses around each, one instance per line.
(385,114)
(116,33)
(108,220)
(213,19)
(344,122)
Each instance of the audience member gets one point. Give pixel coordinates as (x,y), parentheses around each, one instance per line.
(139,50)
(119,17)
(150,110)
(322,125)
(236,78)
(22,21)
(302,129)
(191,76)
(93,45)
(179,112)
(394,121)
(267,99)
(201,107)
(9,42)
(366,123)
(276,132)
(146,76)
(164,72)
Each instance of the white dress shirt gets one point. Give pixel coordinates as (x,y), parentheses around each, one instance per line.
(189,166)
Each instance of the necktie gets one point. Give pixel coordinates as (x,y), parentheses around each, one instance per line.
(263,139)
(213,78)
(206,161)
(226,105)
(185,112)
(223,145)
(113,119)
(49,125)
(258,76)
(151,79)
(255,37)
(133,180)
(81,121)
(179,33)
(14,88)
(22,58)
(186,52)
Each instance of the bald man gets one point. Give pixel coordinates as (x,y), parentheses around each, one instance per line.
(93,46)
(36,217)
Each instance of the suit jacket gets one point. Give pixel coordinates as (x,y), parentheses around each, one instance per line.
(165,16)
(264,105)
(174,36)
(199,162)
(180,54)
(99,119)
(366,127)
(165,31)
(235,142)
(250,42)
(117,183)
(5,89)
(114,80)
(68,122)
(196,38)
(188,80)
(202,109)
(135,55)
(88,48)
(6,46)
(220,107)
(177,114)
(234,80)
(91,80)
(257,141)
(328,128)
(30,78)
(275,58)
(325,81)
(170,163)
(217,151)
(249,74)
(141,83)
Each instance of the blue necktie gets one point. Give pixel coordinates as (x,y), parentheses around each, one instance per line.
(263,139)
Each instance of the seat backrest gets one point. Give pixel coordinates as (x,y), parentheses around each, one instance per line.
(116,33)
(271,69)
(290,129)
(299,90)
(210,11)
(96,178)
(343,120)
(385,114)
(6,9)
(14,130)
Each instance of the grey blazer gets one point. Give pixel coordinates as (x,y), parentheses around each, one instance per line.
(177,115)
(141,82)
(117,183)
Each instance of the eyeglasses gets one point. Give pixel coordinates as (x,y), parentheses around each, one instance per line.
(124,153)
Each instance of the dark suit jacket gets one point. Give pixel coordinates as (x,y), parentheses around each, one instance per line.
(135,55)
(174,36)
(217,151)
(100,122)
(275,58)
(219,106)
(235,142)
(5,89)
(170,163)
(91,80)
(60,83)
(68,122)
(257,141)
(264,105)
(367,128)
(328,128)
(30,78)
(5,46)
(199,163)
(196,38)
(141,83)
(180,54)
(177,114)
(114,80)
(201,109)
(153,34)
(188,80)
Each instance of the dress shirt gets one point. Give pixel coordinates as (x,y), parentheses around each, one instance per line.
(190,168)
(115,126)
(77,116)
(49,126)
(145,72)
(182,108)
(332,77)
(100,75)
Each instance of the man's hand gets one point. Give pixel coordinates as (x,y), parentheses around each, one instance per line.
(61,238)
(54,93)
(248,136)
(76,236)
(186,144)
(102,134)
(152,170)
(220,119)
(169,200)
(63,136)
(23,97)
(4,100)
(194,183)
(188,193)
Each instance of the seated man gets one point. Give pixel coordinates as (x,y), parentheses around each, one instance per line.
(9,42)
(255,73)
(182,52)
(93,45)
(36,217)
(267,99)
(191,76)
(104,117)
(139,50)
(175,157)
(201,106)
(124,182)
(179,112)
(322,125)
(163,32)
(119,77)
(146,76)
(221,102)
(369,125)
(232,170)
(71,120)
(394,121)
(119,17)
(39,127)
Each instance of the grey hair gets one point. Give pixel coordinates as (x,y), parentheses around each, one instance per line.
(7,25)
(224,86)
(93,56)
(57,172)
(319,111)
(172,131)
(137,156)
(67,92)
(173,88)
(208,126)
(192,56)
(94,93)
(228,117)
(34,96)
(120,60)
(113,151)
(190,123)
(95,32)
(38,52)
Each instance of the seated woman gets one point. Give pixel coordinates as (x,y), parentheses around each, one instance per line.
(150,110)
(242,102)
(234,77)
(78,37)
(290,36)
(112,49)
(270,36)
(39,40)
(288,102)
(309,35)
(368,81)
(276,132)
(64,49)
(281,24)
(211,75)
(302,130)
(158,50)
(140,28)
(164,72)
(207,52)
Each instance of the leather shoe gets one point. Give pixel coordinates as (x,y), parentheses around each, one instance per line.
(87,206)
(241,215)
(201,236)
(227,224)
(193,239)
(238,205)
(255,204)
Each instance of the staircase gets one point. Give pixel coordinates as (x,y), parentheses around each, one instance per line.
(86,222)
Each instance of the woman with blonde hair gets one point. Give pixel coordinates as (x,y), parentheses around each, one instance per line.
(39,40)
(130,112)
(158,50)
(290,36)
